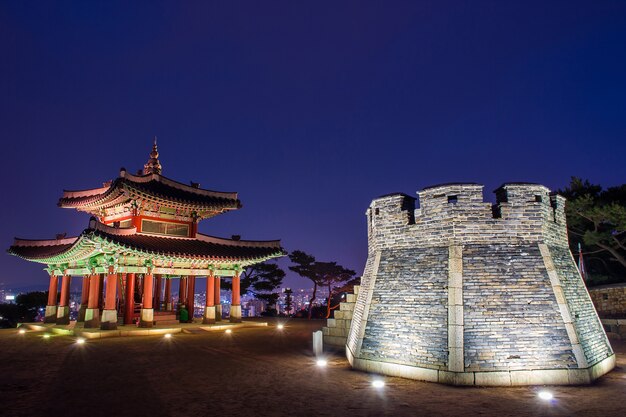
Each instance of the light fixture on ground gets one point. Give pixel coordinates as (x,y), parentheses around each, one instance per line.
(229,331)
(46,336)
(378,383)
(321,362)
(545,395)
(281,326)
(167,335)
(80,341)
(21,331)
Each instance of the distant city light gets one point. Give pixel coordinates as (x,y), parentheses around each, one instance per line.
(378,383)
(9,297)
(281,326)
(21,331)
(228,331)
(321,362)
(46,336)
(546,395)
(167,335)
(80,341)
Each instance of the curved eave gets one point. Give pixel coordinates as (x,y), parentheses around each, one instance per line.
(154,189)
(51,251)
(100,239)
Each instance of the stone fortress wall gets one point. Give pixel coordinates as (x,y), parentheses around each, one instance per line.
(464,292)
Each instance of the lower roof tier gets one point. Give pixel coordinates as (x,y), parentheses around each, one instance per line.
(100,246)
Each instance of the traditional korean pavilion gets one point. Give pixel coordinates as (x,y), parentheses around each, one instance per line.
(142,236)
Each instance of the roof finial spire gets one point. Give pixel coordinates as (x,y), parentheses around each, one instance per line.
(153,166)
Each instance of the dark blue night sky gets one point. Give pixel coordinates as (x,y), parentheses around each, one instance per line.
(307,110)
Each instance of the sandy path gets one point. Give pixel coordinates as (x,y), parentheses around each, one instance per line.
(252,372)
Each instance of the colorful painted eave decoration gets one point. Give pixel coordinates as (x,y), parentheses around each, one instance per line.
(101,245)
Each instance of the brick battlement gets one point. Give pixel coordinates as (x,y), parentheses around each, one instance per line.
(465,292)
(453,213)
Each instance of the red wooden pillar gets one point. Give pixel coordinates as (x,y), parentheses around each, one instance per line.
(63,312)
(129,308)
(168,294)
(191,287)
(84,298)
(182,291)
(218,301)
(157,293)
(235,304)
(109,314)
(51,306)
(92,314)
(209,309)
(101,292)
(147,312)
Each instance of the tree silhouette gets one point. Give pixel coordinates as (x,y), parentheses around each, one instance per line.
(327,274)
(596,218)
(261,280)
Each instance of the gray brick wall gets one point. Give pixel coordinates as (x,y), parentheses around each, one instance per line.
(408,313)
(512,320)
(588,326)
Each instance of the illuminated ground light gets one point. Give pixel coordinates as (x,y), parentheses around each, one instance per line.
(167,335)
(80,341)
(46,336)
(229,331)
(21,331)
(378,383)
(545,395)
(321,363)
(281,326)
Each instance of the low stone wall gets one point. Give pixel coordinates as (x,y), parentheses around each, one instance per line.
(615,327)
(610,300)
(336,330)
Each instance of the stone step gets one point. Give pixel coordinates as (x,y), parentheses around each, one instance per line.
(351,298)
(335,331)
(164,317)
(331,322)
(167,322)
(346,306)
(357,288)
(336,341)
(343,315)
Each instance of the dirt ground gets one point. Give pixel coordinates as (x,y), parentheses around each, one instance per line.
(251,372)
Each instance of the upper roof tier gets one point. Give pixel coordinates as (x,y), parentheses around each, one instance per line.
(150,192)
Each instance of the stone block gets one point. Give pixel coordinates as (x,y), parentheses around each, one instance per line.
(578,376)
(540,377)
(492,378)
(456,378)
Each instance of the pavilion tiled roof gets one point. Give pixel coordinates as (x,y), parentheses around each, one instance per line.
(156,186)
(201,248)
